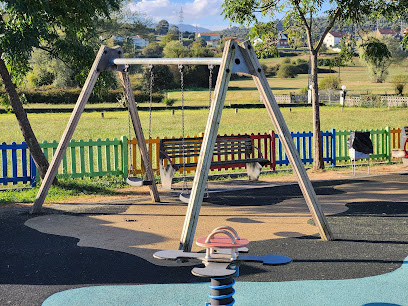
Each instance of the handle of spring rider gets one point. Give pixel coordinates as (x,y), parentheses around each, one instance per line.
(228,228)
(215,232)
(405,147)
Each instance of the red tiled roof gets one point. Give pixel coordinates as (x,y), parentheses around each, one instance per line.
(337,34)
(387,31)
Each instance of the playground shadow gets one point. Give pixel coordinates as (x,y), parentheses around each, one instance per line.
(268,196)
(376,208)
(30,257)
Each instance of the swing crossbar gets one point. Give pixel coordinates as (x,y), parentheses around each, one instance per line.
(216,61)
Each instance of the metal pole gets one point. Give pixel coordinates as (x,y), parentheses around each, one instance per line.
(167,61)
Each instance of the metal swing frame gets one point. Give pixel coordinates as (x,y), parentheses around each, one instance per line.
(185,193)
(134,180)
(236,58)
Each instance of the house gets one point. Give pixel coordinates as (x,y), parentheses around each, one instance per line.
(139,42)
(209,36)
(333,39)
(282,41)
(386,32)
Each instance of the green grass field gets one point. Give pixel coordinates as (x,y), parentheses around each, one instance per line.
(243,91)
(50,127)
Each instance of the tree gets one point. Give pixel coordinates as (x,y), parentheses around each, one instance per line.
(173,30)
(168,38)
(299,14)
(175,49)
(153,50)
(198,50)
(61,28)
(162,27)
(379,53)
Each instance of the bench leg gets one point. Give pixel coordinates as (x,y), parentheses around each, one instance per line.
(253,170)
(166,175)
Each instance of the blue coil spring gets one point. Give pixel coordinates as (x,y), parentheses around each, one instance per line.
(221,297)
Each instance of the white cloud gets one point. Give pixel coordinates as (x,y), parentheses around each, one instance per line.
(197,11)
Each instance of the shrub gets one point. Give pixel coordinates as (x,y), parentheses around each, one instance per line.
(399,82)
(70,96)
(287,71)
(168,101)
(270,70)
(324,62)
(286,61)
(301,61)
(372,101)
(302,68)
(330,82)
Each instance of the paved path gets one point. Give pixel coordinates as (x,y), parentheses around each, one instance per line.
(74,246)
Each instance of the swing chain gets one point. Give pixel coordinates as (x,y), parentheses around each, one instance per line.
(181,69)
(210,67)
(131,169)
(151,103)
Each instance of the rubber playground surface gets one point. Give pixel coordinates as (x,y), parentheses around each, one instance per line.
(100,253)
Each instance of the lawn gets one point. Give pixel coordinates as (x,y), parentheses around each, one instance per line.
(115,124)
(243,91)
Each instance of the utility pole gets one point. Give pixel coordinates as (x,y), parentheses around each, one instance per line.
(180,25)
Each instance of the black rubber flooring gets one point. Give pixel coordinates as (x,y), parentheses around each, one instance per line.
(371,239)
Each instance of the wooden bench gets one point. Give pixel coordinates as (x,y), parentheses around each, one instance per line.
(239,148)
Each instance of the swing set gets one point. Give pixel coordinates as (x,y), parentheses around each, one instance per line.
(237,58)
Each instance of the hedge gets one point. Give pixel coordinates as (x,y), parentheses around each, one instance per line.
(70,96)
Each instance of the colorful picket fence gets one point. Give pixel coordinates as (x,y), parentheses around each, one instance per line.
(16,165)
(381,139)
(89,158)
(303,142)
(122,157)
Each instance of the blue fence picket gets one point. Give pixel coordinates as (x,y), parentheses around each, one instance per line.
(303,143)
(16,150)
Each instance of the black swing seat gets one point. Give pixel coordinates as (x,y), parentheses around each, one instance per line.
(137,181)
(239,147)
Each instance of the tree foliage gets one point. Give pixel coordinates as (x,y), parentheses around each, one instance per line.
(175,49)
(162,27)
(379,52)
(298,22)
(65,29)
(153,50)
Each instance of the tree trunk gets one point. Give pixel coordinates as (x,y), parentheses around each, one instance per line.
(318,162)
(38,156)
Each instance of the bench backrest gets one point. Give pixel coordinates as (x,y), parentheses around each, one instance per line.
(224,145)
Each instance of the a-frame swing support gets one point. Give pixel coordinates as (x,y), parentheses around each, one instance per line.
(235,58)
(243,59)
(103,62)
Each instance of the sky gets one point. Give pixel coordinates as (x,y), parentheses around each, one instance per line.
(203,13)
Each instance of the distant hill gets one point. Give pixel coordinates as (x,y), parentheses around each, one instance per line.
(191,28)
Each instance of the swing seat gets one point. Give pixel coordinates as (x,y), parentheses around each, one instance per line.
(229,152)
(185,197)
(137,181)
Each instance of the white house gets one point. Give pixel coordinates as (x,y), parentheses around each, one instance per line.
(282,41)
(333,38)
(139,42)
